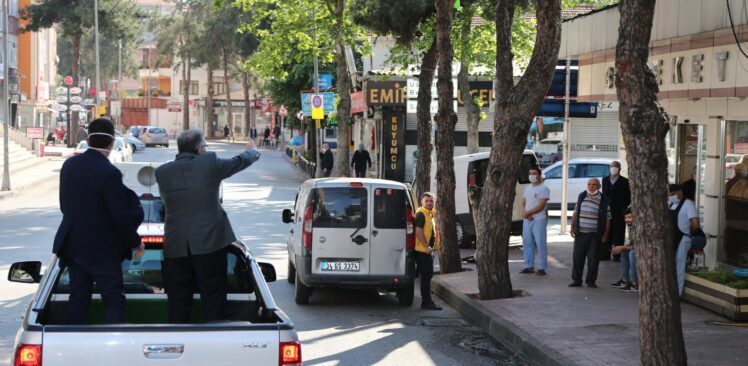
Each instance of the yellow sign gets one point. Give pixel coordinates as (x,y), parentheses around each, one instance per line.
(318,109)
(319,124)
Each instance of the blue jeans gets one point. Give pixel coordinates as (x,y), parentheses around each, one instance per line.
(680,262)
(534,233)
(628,266)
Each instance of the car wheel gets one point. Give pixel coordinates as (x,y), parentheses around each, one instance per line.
(291,272)
(405,295)
(463,239)
(301,291)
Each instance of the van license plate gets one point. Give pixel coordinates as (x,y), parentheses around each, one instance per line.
(339,267)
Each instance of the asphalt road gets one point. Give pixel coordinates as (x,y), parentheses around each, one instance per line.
(339,327)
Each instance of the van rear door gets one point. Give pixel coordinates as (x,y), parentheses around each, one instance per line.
(388,233)
(340,229)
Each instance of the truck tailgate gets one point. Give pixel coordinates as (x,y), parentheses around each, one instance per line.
(122,347)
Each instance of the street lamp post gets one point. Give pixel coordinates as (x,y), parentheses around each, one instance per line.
(96,46)
(6,106)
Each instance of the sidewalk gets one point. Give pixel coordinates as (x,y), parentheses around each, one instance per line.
(553,324)
(27,179)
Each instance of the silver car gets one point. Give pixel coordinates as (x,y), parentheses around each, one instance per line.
(154,136)
(134,142)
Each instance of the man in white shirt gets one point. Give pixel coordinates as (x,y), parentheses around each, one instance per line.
(686,220)
(535,223)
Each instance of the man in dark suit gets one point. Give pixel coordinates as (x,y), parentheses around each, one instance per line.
(616,188)
(197,229)
(99,229)
(326,160)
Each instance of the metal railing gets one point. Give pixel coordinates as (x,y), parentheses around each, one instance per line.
(310,168)
(18,137)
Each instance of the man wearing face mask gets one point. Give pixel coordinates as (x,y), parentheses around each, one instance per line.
(326,160)
(99,229)
(197,230)
(535,223)
(685,222)
(616,189)
(590,225)
(360,160)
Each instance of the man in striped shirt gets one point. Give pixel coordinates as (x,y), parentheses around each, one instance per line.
(590,227)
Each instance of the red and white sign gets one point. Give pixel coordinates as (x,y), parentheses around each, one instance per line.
(358,103)
(35,132)
(174,107)
(68,80)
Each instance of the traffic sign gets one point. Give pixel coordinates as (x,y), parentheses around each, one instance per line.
(318,112)
(75,90)
(61,108)
(62,90)
(61,99)
(75,99)
(88,102)
(75,108)
(68,80)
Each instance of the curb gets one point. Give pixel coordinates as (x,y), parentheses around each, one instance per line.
(29,185)
(502,330)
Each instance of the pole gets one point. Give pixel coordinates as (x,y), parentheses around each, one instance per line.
(315,131)
(96,38)
(148,89)
(565,167)
(119,84)
(6,106)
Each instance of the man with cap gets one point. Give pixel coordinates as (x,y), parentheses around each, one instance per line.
(99,229)
(685,220)
(360,160)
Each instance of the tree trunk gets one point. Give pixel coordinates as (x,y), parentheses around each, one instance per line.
(423,161)
(472,109)
(515,109)
(446,119)
(644,125)
(75,50)
(209,110)
(186,76)
(344,88)
(247,110)
(229,114)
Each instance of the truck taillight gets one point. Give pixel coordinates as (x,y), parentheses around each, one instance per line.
(306,236)
(410,231)
(28,355)
(290,354)
(472,179)
(152,239)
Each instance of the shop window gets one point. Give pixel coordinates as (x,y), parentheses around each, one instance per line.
(735,194)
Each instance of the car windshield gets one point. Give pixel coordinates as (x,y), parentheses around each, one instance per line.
(153,209)
(157,130)
(340,207)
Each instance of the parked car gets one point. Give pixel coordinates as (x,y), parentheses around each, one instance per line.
(352,233)
(154,136)
(134,142)
(580,171)
(117,155)
(255,327)
(124,148)
(471,170)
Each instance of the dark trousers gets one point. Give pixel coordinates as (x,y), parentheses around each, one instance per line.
(361,173)
(108,278)
(586,246)
(204,272)
(326,172)
(425,263)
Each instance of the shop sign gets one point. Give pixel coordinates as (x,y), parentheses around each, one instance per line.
(34,132)
(174,107)
(222,103)
(394,144)
(481,89)
(358,105)
(386,93)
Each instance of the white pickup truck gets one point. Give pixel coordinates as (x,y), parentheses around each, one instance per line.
(256,331)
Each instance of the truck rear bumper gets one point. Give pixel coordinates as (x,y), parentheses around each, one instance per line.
(389,282)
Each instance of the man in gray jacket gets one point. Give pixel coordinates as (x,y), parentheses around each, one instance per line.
(197,229)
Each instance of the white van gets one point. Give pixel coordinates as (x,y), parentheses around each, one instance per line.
(471,169)
(353,233)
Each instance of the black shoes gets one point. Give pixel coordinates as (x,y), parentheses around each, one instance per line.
(591,285)
(527,271)
(575,284)
(540,272)
(620,284)
(430,306)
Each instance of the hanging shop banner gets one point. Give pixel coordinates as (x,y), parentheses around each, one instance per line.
(394,143)
(358,104)
(386,93)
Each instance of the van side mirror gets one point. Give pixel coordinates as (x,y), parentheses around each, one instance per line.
(287,216)
(268,271)
(25,272)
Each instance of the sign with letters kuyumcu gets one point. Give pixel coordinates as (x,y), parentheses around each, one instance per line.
(393,141)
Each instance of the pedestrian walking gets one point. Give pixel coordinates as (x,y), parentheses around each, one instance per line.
(590,226)
(360,160)
(99,229)
(616,189)
(277,134)
(226,132)
(685,220)
(196,227)
(326,160)
(629,281)
(427,244)
(535,222)
(82,134)
(266,136)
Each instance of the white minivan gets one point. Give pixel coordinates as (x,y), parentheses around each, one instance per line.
(352,233)
(471,170)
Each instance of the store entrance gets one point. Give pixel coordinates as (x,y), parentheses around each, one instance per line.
(735,193)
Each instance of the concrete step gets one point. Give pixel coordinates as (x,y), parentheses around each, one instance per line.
(22,165)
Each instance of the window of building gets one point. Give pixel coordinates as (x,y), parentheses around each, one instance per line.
(735,194)
(194,87)
(219,85)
